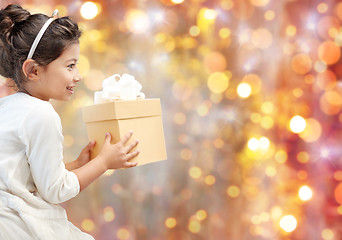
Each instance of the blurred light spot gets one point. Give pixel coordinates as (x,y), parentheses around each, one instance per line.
(244,90)
(322,8)
(309,79)
(320,66)
(325,153)
(338,176)
(108,214)
(218,143)
(331,102)
(179,118)
(215,62)
(253,144)
(291,30)
(137,21)
(116,188)
(224,33)
(302,175)
(303,157)
(288,48)
(194,31)
(312,131)
(262,38)
(233,191)
(326,80)
(123,233)
(210,14)
(264,143)
(89,10)
(325,25)
(177,1)
(301,63)
(288,223)
(227,4)
(271,171)
(210,180)
(157,16)
(328,234)
(339,210)
(186,193)
(297,124)
(181,90)
(281,156)
(170,222)
(255,117)
(83,65)
(245,36)
(339,10)
(183,138)
(265,216)
(269,15)
(338,193)
(201,215)
(311,25)
(160,37)
(202,110)
(195,172)
(267,122)
(218,82)
(276,212)
(305,193)
(194,226)
(329,52)
(93,80)
(63,10)
(186,154)
(254,82)
(259,3)
(88,225)
(297,92)
(267,107)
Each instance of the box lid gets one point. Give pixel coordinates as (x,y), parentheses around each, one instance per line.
(122,109)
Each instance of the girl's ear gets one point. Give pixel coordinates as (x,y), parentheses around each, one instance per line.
(30,70)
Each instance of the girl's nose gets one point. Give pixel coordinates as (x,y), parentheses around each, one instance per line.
(77,77)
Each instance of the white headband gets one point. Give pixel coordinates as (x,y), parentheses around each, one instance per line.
(40,34)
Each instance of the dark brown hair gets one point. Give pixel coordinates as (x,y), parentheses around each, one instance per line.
(18,29)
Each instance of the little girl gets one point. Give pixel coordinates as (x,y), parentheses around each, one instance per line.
(40,54)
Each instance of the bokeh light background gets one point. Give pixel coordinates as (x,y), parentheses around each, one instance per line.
(251,96)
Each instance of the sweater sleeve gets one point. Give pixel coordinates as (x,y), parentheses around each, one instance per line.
(41,132)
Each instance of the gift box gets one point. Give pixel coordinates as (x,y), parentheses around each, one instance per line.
(142,116)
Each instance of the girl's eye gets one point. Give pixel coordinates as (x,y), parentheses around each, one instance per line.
(71,66)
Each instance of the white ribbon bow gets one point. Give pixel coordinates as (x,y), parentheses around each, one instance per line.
(123,87)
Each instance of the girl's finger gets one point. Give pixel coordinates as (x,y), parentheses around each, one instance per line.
(132,145)
(130,164)
(108,137)
(131,155)
(91,144)
(125,138)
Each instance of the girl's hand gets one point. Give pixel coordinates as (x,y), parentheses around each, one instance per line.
(84,156)
(118,155)
(82,159)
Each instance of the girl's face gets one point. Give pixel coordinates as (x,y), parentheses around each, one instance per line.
(58,78)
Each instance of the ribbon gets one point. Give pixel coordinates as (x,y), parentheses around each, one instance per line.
(117,87)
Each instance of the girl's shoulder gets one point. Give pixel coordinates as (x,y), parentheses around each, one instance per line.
(26,104)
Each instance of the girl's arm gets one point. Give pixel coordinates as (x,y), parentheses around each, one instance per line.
(111,156)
